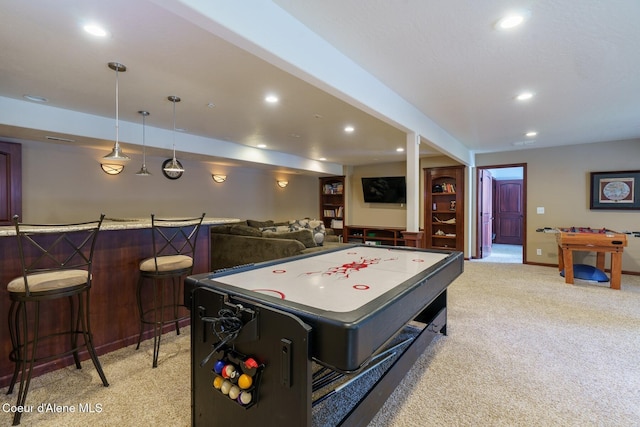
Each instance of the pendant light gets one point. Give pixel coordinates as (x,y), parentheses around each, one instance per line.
(174,166)
(143,170)
(116,153)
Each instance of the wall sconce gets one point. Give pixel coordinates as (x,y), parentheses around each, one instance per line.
(111,169)
(282,184)
(219,178)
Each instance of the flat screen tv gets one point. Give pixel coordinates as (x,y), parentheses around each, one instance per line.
(387,189)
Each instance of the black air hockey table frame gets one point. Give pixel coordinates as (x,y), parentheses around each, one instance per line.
(286,339)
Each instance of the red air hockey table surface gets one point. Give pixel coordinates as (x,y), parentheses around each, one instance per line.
(336,308)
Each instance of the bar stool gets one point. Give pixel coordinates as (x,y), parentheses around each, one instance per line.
(57,261)
(174,245)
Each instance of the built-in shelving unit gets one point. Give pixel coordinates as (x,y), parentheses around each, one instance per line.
(390,236)
(332,197)
(444,208)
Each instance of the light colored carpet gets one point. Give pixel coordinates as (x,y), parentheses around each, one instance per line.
(137,394)
(524,349)
(504,253)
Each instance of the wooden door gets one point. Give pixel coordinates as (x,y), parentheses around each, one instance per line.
(10,181)
(486,212)
(509,211)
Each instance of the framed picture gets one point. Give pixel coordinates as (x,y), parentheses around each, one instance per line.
(615,190)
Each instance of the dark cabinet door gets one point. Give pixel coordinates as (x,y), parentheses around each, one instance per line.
(508,212)
(10,181)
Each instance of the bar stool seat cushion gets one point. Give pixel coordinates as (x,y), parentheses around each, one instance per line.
(166,263)
(49,281)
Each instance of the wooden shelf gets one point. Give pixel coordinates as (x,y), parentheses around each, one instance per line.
(391,236)
(444,202)
(332,201)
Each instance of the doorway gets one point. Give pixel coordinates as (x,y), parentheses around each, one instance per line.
(501,213)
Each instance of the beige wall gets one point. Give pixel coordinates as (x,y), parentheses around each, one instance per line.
(382,214)
(62,182)
(558,179)
(378,214)
(65,183)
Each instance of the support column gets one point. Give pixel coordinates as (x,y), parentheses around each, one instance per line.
(413,236)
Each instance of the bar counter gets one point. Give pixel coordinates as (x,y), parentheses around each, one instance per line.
(121,245)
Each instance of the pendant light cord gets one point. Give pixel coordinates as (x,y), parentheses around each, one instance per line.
(116,154)
(117,119)
(174,130)
(144,156)
(174,166)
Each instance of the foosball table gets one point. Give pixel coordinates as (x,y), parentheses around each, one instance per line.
(585,239)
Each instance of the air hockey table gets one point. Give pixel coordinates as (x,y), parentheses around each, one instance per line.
(273,322)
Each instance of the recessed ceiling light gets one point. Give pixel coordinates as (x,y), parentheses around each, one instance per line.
(261,145)
(512,20)
(349,128)
(524,96)
(35,98)
(211,105)
(531,134)
(322,159)
(399,149)
(95,30)
(271,99)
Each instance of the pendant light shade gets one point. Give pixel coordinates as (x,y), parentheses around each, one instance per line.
(116,153)
(174,166)
(143,170)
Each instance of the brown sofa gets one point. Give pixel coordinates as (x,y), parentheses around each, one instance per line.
(249,242)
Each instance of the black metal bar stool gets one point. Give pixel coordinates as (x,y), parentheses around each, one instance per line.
(174,245)
(57,261)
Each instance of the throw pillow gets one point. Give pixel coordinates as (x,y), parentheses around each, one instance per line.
(275,229)
(316,227)
(304,236)
(319,231)
(259,224)
(245,230)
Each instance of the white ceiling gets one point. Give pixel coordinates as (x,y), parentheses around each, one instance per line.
(443,59)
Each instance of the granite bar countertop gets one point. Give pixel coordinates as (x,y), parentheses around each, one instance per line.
(123,224)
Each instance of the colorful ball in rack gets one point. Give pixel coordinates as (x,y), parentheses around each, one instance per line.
(229,371)
(250,363)
(234,392)
(245,381)
(245,398)
(225,387)
(219,365)
(217,382)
